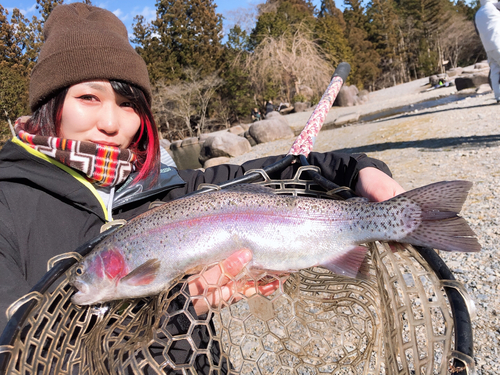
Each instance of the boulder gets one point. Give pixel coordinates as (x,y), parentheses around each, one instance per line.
(480,78)
(175,145)
(216,161)
(238,130)
(347,97)
(190,141)
(363,96)
(472,80)
(165,143)
(185,153)
(223,144)
(301,107)
(481,65)
(250,139)
(453,72)
(306,92)
(272,114)
(271,129)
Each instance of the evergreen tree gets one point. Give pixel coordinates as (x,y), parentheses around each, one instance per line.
(236,98)
(278,17)
(385,34)
(329,33)
(364,67)
(422,20)
(185,34)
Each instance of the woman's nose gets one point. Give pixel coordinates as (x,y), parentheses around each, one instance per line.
(108,122)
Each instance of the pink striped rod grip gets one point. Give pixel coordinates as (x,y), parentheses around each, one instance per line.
(304,143)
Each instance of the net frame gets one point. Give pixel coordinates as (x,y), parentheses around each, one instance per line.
(401,321)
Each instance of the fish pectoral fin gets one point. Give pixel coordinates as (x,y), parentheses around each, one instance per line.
(144,274)
(353,263)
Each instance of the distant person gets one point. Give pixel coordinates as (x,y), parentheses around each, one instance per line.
(256,116)
(269,107)
(487,22)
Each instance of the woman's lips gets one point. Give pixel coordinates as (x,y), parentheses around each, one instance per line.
(104,143)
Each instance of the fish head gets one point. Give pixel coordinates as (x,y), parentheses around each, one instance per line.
(96,277)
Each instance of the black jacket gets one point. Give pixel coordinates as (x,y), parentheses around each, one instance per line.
(47,209)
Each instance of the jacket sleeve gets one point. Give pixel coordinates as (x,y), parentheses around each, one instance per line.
(13,284)
(340,168)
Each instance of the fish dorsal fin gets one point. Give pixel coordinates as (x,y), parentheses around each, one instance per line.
(142,275)
(250,188)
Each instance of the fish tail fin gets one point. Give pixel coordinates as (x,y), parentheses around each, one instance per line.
(441,227)
(353,263)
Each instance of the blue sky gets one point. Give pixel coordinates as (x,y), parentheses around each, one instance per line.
(126,10)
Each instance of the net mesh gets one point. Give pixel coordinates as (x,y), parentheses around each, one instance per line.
(398,321)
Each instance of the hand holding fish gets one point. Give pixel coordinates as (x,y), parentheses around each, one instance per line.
(376,185)
(221,275)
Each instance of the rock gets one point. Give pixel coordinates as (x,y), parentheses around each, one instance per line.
(165,143)
(250,139)
(455,72)
(216,161)
(347,97)
(238,129)
(175,145)
(270,129)
(185,153)
(481,65)
(245,126)
(363,96)
(271,115)
(223,144)
(480,78)
(307,92)
(301,107)
(190,141)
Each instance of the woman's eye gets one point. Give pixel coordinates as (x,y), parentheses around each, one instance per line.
(129,105)
(88,97)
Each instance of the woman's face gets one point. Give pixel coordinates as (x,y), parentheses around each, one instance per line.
(94,112)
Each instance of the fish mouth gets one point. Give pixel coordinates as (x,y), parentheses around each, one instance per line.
(83,296)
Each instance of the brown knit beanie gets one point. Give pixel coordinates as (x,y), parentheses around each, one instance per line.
(83,42)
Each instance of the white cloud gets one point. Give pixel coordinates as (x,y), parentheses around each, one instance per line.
(148,13)
(25,12)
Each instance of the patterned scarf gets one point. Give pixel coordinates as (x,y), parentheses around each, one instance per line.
(103,165)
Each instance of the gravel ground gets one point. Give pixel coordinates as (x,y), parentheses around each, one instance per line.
(457,140)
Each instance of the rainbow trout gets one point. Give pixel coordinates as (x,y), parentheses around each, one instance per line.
(284,233)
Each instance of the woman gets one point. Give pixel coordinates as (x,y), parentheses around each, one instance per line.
(90,153)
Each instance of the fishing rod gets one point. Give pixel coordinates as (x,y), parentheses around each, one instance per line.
(304,142)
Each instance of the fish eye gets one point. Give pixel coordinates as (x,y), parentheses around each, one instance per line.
(79,270)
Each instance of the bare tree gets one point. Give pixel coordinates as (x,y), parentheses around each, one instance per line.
(289,62)
(185,101)
(459,39)
(175,102)
(203,89)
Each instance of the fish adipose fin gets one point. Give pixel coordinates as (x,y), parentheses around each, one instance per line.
(142,275)
(441,227)
(352,263)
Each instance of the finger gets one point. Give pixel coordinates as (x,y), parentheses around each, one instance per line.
(235,263)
